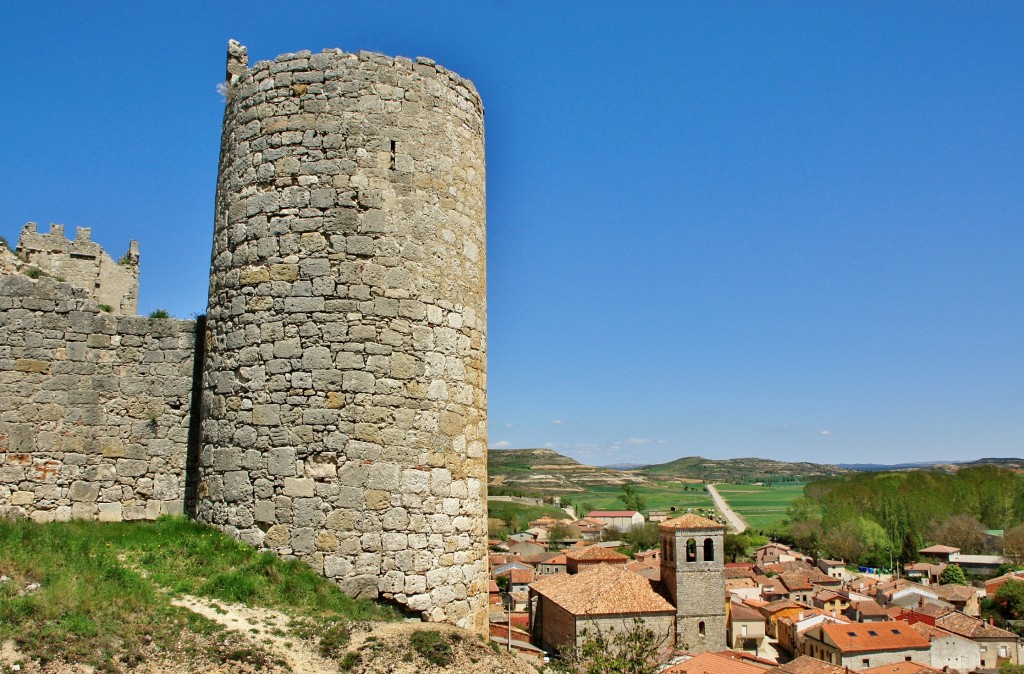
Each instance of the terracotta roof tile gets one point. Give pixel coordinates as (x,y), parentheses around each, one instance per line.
(745,613)
(690,521)
(805,664)
(972,628)
(713,663)
(869,637)
(595,553)
(900,668)
(602,590)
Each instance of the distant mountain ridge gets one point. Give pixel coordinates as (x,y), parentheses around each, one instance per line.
(947,466)
(543,470)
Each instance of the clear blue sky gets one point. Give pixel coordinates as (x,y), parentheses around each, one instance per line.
(790,230)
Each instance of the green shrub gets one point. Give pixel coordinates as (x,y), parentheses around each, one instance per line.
(334,639)
(106,308)
(33,272)
(159,313)
(432,646)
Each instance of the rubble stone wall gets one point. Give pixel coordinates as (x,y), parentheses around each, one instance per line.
(345,396)
(94,408)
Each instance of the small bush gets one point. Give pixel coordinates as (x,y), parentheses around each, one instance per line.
(432,646)
(349,662)
(33,272)
(106,308)
(159,313)
(334,639)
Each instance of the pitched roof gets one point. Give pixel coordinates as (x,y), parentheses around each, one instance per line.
(690,521)
(972,628)
(900,668)
(956,592)
(939,550)
(744,613)
(595,553)
(521,576)
(602,590)
(805,664)
(713,663)
(869,637)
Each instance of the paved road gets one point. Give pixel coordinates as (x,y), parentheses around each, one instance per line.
(734,520)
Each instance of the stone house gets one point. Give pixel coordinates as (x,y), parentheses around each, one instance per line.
(553,565)
(775,552)
(863,645)
(601,598)
(526,548)
(792,628)
(866,611)
(745,631)
(997,645)
(623,520)
(834,569)
(963,598)
(950,650)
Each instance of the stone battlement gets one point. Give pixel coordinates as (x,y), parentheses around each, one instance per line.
(84,264)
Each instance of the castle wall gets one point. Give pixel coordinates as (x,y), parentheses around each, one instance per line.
(94,408)
(345,400)
(84,264)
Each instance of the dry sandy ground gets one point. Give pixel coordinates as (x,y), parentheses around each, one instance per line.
(383,648)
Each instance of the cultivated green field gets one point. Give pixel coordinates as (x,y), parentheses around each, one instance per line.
(659,496)
(761,507)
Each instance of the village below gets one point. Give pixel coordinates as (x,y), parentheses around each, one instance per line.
(753,566)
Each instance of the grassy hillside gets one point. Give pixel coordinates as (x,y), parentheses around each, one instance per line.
(740,470)
(102,594)
(544,471)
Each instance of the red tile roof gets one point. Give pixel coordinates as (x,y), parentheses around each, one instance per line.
(900,668)
(690,521)
(805,664)
(602,590)
(595,553)
(972,628)
(713,663)
(869,637)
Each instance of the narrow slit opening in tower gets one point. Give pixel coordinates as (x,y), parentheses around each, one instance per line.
(394,146)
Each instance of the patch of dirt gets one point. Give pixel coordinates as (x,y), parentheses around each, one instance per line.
(264,641)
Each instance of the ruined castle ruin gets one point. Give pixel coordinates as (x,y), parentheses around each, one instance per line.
(331,405)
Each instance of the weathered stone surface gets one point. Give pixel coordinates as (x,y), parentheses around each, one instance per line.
(347,326)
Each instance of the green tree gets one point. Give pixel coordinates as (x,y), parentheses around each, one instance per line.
(1009,600)
(953,575)
(632,651)
(736,547)
(1010,668)
(632,499)
(643,538)
(559,533)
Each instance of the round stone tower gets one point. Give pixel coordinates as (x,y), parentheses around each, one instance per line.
(345,409)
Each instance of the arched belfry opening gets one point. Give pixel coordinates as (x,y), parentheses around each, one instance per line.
(709,550)
(691,550)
